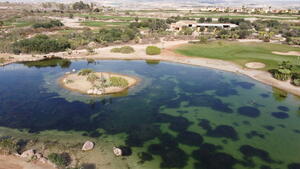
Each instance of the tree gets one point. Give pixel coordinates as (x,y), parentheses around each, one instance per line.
(202,39)
(283,72)
(186,31)
(245,26)
(243,34)
(202,29)
(157,25)
(80,6)
(61,6)
(266,36)
(71,16)
(97,10)
(223,20)
(136,19)
(223,34)
(201,20)
(208,20)
(1,23)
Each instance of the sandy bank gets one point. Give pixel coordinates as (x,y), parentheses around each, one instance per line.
(12,162)
(169,55)
(75,82)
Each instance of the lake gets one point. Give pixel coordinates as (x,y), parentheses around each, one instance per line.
(178,116)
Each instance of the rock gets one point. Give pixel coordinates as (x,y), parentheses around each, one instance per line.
(88,145)
(92,45)
(99,92)
(39,155)
(67,73)
(73,70)
(117,151)
(43,160)
(90,91)
(28,154)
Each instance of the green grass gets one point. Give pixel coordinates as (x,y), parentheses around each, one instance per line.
(241,53)
(18,24)
(103,24)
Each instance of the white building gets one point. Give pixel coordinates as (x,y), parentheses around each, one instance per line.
(193,24)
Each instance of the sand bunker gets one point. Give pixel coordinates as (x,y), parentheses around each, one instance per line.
(255,65)
(290,53)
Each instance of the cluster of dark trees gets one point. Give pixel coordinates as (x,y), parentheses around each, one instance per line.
(81,6)
(203,20)
(174,19)
(103,36)
(286,71)
(50,24)
(154,25)
(116,34)
(40,44)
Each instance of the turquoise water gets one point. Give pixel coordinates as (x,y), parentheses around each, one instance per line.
(178,116)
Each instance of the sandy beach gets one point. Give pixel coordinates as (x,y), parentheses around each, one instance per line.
(168,55)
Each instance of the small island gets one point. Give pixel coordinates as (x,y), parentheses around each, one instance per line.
(86,81)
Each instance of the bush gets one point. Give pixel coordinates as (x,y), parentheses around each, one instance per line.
(153,50)
(296,82)
(92,77)
(118,82)
(116,34)
(51,24)
(296,79)
(84,72)
(8,145)
(41,44)
(124,50)
(283,72)
(61,160)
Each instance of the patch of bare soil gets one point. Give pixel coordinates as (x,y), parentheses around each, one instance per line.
(12,162)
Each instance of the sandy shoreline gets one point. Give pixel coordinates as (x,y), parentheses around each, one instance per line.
(82,87)
(13,162)
(169,56)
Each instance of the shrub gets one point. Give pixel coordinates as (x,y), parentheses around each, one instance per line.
(61,160)
(2,60)
(41,44)
(124,50)
(153,50)
(92,77)
(203,39)
(90,50)
(283,72)
(296,79)
(8,145)
(51,24)
(186,31)
(84,72)
(118,82)
(116,34)
(296,82)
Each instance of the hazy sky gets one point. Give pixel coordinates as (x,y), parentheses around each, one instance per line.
(278,3)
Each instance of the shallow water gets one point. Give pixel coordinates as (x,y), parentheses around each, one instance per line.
(179,116)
